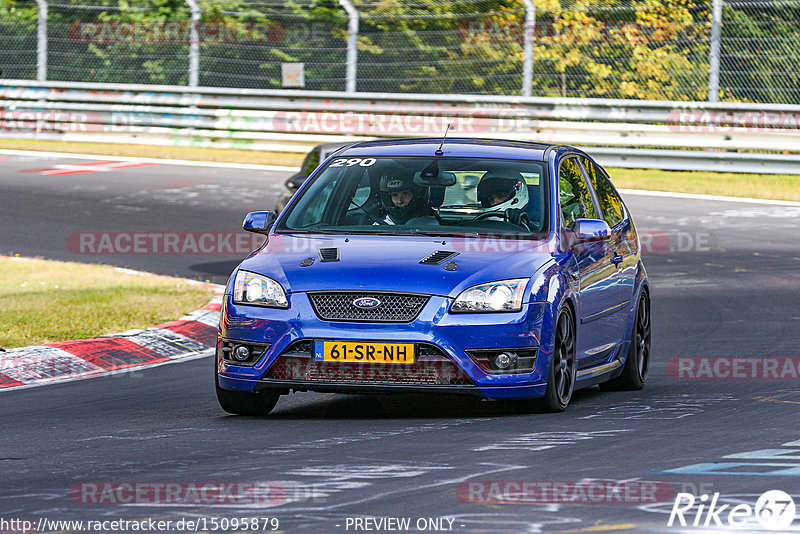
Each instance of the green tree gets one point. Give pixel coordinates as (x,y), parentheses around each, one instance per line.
(18,39)
(644,50)
(760,52)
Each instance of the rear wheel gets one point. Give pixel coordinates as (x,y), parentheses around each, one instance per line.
(561,378)
(634,374)
(245,402)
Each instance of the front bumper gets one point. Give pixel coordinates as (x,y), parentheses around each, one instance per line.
(448,336)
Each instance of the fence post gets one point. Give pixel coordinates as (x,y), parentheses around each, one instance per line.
(41,37)
(714,53)
(527,51)
(352,44)
(194,45)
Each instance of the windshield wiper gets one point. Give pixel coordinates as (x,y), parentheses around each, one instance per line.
(442,233)
(312,230)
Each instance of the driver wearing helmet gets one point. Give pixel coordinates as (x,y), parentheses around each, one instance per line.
(402,199)
(501,192)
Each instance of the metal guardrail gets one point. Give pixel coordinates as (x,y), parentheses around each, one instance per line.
(696,160)
(747,137)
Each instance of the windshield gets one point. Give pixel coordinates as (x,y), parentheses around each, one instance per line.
(429,196)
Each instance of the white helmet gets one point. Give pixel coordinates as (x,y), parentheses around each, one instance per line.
(498,192)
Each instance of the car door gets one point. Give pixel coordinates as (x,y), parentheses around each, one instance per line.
(620,247)
(596,330)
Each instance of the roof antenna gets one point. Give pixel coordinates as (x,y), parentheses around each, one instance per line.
(439,151)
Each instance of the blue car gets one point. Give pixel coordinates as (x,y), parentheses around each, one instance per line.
(499,269)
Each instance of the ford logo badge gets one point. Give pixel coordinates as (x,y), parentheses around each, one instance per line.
(366,303)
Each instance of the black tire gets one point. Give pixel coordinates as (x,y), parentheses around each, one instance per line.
(634,374)
(245,402)
(563,368)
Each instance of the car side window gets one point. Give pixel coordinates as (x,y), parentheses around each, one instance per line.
(610,202)
(311,162)
(575,199)
(315,201)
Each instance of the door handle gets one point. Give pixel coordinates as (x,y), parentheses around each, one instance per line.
(617,259)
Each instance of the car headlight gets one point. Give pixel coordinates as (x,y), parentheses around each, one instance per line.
(252,288)
(502,296)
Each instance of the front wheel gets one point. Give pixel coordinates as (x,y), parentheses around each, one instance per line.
(246,402)
(634,374)
(561,378)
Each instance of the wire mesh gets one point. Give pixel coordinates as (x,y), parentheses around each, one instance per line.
(760,51)
(621,49)
(18,43)
(246,43)
(652,49)
(116,42)
(439,47)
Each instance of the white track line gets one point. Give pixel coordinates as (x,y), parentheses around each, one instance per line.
(717,198)
(204,354)
(281,168)
(159,161)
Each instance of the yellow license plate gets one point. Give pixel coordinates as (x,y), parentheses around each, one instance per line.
(363,352)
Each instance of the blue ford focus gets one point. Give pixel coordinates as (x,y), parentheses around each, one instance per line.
(500,269)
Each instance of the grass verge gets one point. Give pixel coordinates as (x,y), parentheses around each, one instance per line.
(769,186)
(47,301)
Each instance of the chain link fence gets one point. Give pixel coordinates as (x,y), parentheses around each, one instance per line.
(245,44)
(90,42)
(18,40)
(656,50)
(760,53)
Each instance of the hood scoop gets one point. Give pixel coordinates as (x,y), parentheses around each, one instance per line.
(328,254)
(438,257)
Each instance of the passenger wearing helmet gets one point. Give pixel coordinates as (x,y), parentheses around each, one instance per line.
(402,199)
(501,192)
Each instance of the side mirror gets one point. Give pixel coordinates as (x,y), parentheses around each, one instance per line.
(591,230)
(295,181)
(259,221)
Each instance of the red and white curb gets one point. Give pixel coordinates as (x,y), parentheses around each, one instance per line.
(192,336)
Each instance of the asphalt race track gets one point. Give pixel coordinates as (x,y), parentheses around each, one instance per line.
(725,280)
(40,212)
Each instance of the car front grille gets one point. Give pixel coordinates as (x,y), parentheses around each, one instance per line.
(431,367)
(391,307)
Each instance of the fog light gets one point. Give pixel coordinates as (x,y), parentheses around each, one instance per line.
(504,360)
(241,353)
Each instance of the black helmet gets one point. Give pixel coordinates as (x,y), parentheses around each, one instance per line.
(396,180)
(511,185)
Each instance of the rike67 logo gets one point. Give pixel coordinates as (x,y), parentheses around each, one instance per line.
(774,510)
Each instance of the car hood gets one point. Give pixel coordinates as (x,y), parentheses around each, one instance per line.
(393,263)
